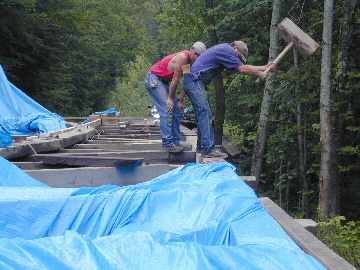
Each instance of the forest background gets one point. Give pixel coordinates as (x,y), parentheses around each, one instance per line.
(80,56)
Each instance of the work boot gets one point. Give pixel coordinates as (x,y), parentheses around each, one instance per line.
(187,147)
(172,148)
(214,153)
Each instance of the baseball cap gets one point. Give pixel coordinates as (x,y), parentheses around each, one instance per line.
(243,49)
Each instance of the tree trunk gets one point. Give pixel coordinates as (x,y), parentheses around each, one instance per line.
(301,143)
(346,31)
(218,80)
(259,147)
(328,197)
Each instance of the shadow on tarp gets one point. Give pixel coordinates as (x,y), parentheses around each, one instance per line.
(21,115)
(200,216)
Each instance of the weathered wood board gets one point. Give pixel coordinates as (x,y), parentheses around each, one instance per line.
(86,161)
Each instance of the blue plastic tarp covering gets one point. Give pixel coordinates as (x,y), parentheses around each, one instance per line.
(200,216)
(21,115)
(112,111)
(12,176)
(5,138)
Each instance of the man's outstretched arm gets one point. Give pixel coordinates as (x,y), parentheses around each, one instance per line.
(255,70)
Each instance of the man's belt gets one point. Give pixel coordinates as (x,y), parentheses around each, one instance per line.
(186,69)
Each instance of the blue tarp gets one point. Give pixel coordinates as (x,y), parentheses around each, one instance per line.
(21,115)
(12,176)
(200,216)
(112,111)
(5,138)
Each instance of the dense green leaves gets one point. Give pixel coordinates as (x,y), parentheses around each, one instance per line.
(342,236)
(69,54)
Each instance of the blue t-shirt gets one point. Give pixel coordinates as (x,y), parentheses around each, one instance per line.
(214,60)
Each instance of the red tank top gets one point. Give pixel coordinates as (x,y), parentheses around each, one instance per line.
(160,68)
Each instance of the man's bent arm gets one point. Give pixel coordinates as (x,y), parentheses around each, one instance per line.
(174,83)
(253,70)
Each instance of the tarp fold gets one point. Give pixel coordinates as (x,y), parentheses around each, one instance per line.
(200,216)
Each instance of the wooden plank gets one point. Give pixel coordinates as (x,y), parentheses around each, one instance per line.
(16,151)
(96,176)
(292,33)
(85,161)
(90,176)
(117,130)
(78,128)
(121,140)
(132,136)
(132,131)
(75,118)
(47,146)
(29,165)
(111,148)
(307,241)
(147,156)
(119,146)
(308,224)
(22,138)
(77,137)
(251,181)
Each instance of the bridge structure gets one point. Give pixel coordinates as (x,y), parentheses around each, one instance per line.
(126,151)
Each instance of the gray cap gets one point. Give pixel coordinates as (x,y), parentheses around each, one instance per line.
(198,47)
(243,49)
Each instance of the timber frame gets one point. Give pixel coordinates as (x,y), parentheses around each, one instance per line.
(90,148)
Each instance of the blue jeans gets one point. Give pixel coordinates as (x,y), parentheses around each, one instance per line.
(169,122)
(195,89)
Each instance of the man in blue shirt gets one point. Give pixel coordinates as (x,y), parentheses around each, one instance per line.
(204,69)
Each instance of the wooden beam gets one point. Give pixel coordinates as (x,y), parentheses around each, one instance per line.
(148,156)
(127,148)
(90,176)
(70,139)
(292,33)
(121,140)
(79,128)
(16,151)
(50,144)
(86,161)
(132,136)
(115,130)
(30,165)
(119,146)
(132,131)
(307,241)
(251,181)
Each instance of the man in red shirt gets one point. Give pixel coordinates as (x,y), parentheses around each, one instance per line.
(164,76)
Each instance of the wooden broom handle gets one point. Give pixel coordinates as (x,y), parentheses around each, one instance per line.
(279,57)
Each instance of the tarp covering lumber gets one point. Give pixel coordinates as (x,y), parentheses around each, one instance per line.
(21,115)
(5,138)
(112,111)
(12,176)
(200,216)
